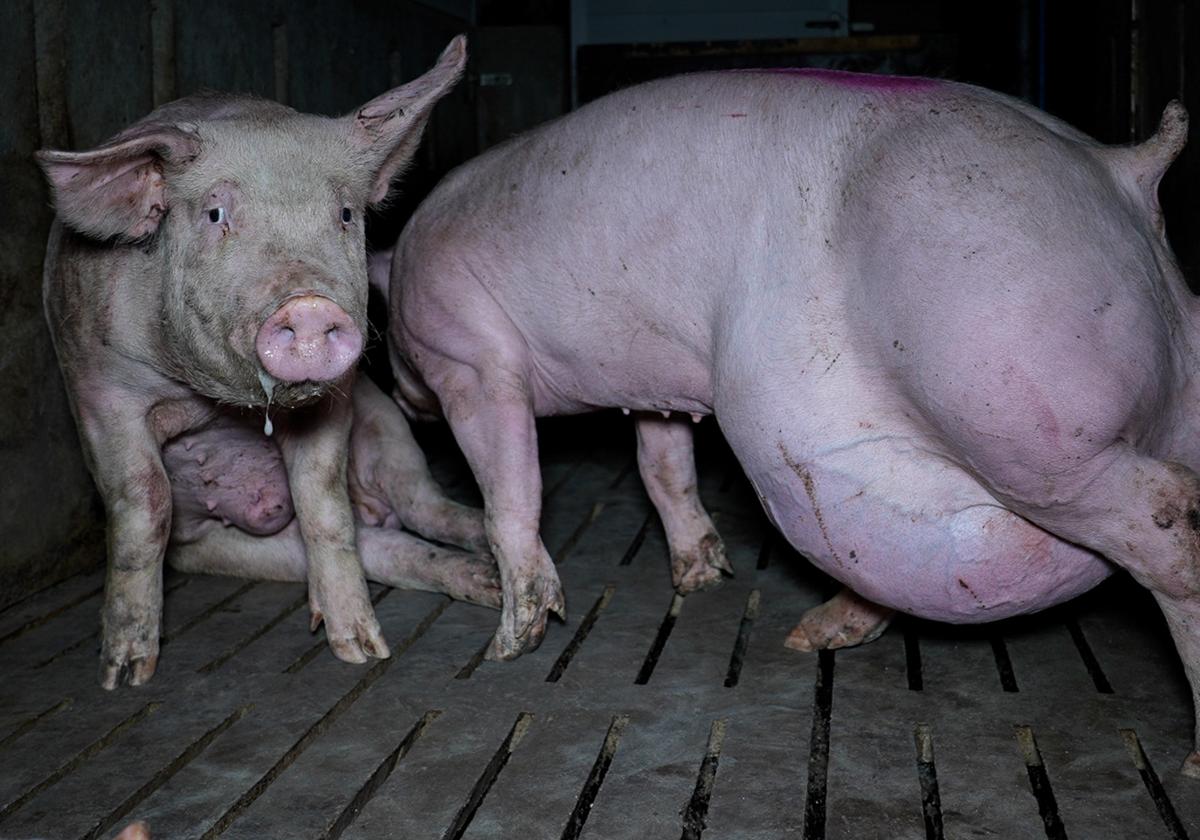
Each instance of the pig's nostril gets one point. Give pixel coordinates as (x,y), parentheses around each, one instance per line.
(308,337)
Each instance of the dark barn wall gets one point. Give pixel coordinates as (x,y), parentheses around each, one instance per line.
(72,73)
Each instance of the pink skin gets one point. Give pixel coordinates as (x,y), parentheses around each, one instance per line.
(215,245)
(666,463)
(134,831)
(233,511)
(941,330)
(309,337)
(859,81)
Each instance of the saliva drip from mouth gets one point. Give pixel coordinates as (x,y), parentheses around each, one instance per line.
(268,386)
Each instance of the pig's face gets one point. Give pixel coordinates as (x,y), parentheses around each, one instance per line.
(267,216)
(254,214)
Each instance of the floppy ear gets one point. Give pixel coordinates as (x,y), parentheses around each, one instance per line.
(117,190)
(389,126)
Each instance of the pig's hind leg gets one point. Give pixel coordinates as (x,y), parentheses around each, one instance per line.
(229,475)
(668,467)
(1144,515)
(845,620)
(391,557)
(389,477)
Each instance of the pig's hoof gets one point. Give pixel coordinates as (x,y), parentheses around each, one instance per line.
(472,578)
(353,636)
(701,567)
(128,659)
(1191,766)
(845,620)
(523,617)
(134,831)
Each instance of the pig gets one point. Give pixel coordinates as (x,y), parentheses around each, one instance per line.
(942,331)
(207,263)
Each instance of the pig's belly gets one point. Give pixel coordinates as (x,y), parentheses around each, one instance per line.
(228,472)
(910,529)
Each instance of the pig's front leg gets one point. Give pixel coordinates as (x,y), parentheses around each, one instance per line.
(492,419)
(314,444)
(127,465)
(389,475)
(668,467)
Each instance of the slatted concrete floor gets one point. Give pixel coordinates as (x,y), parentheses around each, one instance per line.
(641,716)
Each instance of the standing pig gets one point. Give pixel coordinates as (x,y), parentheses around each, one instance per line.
(208,259)
(942,331)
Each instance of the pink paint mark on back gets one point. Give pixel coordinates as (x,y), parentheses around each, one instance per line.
(862,81)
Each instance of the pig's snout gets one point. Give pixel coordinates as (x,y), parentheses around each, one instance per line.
(308,338)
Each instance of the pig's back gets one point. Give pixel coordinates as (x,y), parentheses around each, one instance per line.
(655,221)
(621,237)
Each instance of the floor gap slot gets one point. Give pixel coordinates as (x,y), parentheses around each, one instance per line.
(97,746)
(34,623)
(208,612)
(462,820)
(164,775)
(381,774)
(233,651)
(912,661)
(636,545)
(818,755)
(1008,679)
(931,800)
(317,729)
(32,721)
(1153,785)
(1099,679)
(576,535)
(743,639)
(585,627)
(591,787)
(660,640)
(1039,783)
(696,814)
(764,551)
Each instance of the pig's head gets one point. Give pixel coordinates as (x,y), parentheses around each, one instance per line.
(252,216)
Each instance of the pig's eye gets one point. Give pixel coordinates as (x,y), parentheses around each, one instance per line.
(347,215)
(217,215)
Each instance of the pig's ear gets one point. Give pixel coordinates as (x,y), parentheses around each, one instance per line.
(117,190)
(389,127)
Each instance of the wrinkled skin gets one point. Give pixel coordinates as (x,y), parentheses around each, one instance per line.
(942,332)
(210,256)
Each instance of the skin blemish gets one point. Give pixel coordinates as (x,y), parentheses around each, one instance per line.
(1163,520)
(811,490)
(970,591)
(862,81)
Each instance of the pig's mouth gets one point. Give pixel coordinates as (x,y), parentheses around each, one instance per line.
(289,395)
